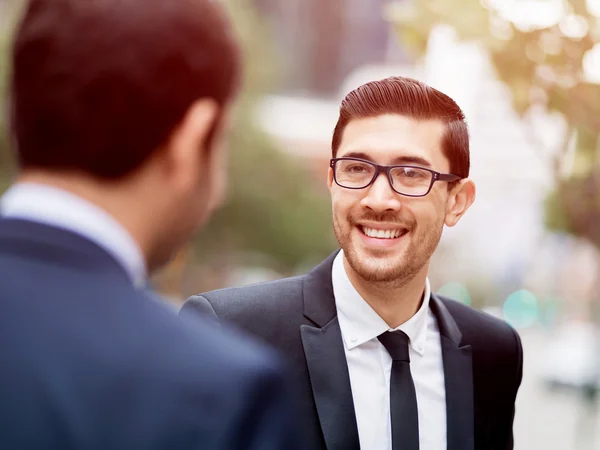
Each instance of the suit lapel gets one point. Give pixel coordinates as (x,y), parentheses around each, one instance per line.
(331,385)
(458,374)
(326,361)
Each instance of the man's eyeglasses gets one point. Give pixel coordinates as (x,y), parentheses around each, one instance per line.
(411,181)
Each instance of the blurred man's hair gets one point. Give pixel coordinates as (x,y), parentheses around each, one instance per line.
(98,86)
(414,99)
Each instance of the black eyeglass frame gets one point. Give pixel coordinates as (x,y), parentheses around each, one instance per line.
(436,176)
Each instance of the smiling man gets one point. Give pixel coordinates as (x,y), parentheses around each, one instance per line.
(384,363)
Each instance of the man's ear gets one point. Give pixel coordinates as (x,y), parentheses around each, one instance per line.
(461,198)
(330,178)
(185,152)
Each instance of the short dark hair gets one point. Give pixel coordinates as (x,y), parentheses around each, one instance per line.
(411,98)
(98,86)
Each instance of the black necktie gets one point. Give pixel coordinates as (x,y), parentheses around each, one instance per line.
(403,398)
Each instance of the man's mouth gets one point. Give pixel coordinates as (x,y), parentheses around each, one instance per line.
(392,233)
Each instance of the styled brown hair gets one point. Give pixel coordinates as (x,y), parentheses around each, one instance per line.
(411,98)
(98,86)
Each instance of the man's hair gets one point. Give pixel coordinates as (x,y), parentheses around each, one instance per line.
(98,86)
(414,99)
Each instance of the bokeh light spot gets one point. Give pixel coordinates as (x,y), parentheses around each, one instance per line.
(521,309)
(456,291)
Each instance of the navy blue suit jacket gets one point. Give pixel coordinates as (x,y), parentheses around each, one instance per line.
(88,362)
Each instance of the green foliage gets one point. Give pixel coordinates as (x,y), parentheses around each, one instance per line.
(543,67)
(275,208)
(3,76)
(555,218)
(6,28)
(574,207)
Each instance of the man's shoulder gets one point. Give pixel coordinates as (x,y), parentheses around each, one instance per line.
(265,302)
(480,329)
(255,298)
(242,384)
(206,348)
(258,291)
(192,381)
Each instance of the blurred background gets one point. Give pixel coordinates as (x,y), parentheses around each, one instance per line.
(527,75)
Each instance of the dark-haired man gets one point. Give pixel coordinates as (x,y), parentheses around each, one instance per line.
(117,111)
(383,362)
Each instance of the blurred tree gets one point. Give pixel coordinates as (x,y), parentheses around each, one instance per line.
(8,13)
(274,207)
(544,67)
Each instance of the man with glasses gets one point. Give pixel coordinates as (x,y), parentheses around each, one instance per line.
(384,363)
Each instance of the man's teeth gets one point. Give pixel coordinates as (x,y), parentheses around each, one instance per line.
(382,234)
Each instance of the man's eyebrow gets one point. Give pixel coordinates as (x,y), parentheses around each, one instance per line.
(360,155)
(416,160)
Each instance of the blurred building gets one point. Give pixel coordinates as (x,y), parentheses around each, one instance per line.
(320,43)
(5,8)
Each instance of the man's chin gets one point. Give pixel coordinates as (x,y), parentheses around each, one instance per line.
(378,274)
(374,265)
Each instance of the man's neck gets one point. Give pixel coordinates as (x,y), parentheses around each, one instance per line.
(394,303)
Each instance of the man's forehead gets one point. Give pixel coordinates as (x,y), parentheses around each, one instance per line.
(394,139)
(394,124)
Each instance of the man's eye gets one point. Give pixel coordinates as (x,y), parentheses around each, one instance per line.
(357,168)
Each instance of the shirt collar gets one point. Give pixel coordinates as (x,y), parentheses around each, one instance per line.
(59,208)
(360,323)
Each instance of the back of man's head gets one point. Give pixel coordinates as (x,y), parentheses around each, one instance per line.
(98,86)
(122,103)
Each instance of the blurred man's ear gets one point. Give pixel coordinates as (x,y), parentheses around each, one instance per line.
(186,152)
(330,178)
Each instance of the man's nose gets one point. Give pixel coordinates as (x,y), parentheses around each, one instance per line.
(380,196)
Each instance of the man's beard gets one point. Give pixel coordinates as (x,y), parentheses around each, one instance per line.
(394,270)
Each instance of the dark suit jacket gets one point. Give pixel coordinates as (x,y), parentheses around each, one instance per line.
(482,358)
(88,362)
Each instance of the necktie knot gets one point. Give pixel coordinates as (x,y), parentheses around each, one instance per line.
(396,343)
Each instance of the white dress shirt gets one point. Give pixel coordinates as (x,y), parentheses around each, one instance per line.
(61,209)
(370,366)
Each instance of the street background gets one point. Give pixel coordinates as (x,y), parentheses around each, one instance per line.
(525,72)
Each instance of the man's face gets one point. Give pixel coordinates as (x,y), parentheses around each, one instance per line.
(414,223)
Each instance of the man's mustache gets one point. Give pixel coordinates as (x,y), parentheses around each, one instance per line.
(380,217)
